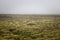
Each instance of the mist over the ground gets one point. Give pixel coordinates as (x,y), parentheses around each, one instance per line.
(30,6)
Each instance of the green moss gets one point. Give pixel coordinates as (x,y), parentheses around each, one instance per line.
(38,29)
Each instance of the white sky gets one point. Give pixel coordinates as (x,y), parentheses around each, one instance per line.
(30,6)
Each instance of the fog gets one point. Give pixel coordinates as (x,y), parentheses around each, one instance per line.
(30,6)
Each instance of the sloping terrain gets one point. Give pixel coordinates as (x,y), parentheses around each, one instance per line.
(29,27)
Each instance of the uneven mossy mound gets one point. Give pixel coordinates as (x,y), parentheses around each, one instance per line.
(30,28)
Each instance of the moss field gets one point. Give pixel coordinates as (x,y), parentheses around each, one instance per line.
(29,27)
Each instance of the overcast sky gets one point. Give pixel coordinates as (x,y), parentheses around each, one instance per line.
(30,6)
